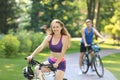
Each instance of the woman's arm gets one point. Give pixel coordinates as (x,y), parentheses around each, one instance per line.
(39,48)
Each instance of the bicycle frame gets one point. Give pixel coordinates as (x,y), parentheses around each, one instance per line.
(87,62)
(49,66)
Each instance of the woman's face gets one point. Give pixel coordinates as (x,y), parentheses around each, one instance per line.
(56,28)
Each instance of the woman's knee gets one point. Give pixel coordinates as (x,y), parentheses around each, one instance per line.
(59,75)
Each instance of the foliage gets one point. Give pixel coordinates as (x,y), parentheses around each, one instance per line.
(25,41)
(36,39)
(114,27)
(31,14)
(67,11)
(29,40)
(2,49)
(11,44)
(23,15)
(7,15)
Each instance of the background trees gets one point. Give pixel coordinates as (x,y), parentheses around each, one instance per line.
(32,14)
(7,20)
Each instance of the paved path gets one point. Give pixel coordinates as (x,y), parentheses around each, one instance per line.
(73,68)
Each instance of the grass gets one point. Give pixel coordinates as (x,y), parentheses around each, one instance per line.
(11,68)
(112,63)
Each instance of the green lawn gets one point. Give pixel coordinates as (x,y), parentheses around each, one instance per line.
(112,63)
(11,68)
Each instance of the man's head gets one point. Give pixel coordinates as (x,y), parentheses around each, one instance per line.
(89,23)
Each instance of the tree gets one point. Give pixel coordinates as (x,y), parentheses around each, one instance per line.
(66,10)
(115,21)
(93,9)
(34,14)
(7,15)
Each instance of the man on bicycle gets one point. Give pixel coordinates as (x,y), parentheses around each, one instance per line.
(87,39)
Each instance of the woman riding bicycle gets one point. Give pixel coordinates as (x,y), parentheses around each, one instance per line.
(87,38)
(58,41)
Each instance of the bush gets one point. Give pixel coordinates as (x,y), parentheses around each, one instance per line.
(11,45)
(25,42)
(25,45)
(2,49)
(36,39)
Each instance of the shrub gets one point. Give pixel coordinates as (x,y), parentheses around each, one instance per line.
(25,45)
(11,45)
(2,49)
(37,39)
(25,42)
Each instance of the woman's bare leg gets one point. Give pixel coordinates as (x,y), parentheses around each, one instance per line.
(59,75)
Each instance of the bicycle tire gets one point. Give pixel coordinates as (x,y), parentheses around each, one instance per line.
(85,64)
(98,65)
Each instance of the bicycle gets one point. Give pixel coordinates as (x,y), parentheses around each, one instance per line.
(29,73)
(95,62)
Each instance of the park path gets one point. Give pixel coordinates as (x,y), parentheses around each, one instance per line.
(73,68)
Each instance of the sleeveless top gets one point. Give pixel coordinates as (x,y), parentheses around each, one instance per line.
(57,47)
(88,35)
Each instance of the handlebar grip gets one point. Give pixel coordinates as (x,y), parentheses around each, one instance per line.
(51,67)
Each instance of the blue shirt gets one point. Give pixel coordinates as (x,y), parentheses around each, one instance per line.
(88,35)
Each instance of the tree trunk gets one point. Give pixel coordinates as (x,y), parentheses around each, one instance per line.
(96,18)
(90,9)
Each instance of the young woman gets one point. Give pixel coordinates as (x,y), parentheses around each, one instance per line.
(58,41)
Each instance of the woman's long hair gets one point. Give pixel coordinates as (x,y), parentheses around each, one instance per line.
(64,31)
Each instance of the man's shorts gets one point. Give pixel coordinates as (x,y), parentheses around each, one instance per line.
(83,48)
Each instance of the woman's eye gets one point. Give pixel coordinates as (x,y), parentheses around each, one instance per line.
(53,26)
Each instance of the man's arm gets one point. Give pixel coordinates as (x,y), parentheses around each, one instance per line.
(83,36)
(98,34)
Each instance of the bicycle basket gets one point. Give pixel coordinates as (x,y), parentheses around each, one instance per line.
(28,72)
(95,48)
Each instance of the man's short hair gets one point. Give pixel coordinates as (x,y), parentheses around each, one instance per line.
(88,20)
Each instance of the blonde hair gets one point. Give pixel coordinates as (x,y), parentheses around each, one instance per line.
(64,31)
(88,20)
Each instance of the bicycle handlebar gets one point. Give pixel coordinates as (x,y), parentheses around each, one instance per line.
(34,62)
(95,43)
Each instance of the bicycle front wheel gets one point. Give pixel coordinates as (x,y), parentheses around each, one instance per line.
(98,66)
(85,64)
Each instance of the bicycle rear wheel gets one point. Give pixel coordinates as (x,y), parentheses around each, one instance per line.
(98,66)
(85,64)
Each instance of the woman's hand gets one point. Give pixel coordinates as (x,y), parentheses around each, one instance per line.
(29,58)
(55,65)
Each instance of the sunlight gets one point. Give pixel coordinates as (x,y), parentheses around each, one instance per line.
(75,39)
(9,66)
(114,69)
(43,54)
(111,62)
